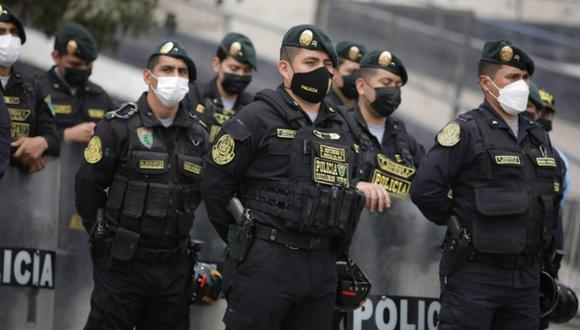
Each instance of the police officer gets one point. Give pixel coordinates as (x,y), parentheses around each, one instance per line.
(225,94)
(343,83)
(289,158)
(33,130)
(490,178)
(4,137)
(77,102)
(148,156)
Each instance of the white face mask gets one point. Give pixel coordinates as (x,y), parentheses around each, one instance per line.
(170,90)
(9,50)
(513,98)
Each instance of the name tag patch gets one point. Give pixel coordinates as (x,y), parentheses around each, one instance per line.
(11,100)
(507,160)
(19,114)
(96,113)
(285,133)
(546,161)
(19,130)
(151,164)
(191,167)
(332,153)
(62,109)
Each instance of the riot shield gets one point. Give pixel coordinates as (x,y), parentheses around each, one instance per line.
(399,252)
(74,268)
(28,242)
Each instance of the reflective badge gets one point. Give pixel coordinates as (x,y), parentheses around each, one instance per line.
(96,113)
(449,135)
(213,132)
(11,100)
(200,108)
(145,136)
(223,151)
(62,109)
(507,160)
(326,136)
(392,176)
(220,118)
(19,114)
(330,172)
(192,167)
(556,186)
(285,133)
(94,150)
(333,153)
(19,130)
(506,53)
(151,164)
(392,167)
(546,161)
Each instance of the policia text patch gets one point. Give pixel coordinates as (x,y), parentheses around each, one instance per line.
(27,267)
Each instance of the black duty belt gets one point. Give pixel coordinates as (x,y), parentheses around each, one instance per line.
(158,255)
(293,241)
(509,261)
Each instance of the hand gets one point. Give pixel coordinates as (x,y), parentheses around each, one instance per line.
(28,150)
(37,165)
(376,196)
(80,133)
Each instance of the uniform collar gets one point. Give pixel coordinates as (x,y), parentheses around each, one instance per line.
(15,78)
(494,120)
(326,112)
(182,118)
(391,126)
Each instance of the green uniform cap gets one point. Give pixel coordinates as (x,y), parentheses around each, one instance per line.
(239,47)
(74,39)
(548,100)
(535,95)
(350,51)
(312,37)
(383,59)
(173,49)
(7,16)
(504,52)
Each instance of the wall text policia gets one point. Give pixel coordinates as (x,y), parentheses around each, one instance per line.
(27,267)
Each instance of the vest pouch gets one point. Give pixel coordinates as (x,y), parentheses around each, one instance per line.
(310,200)
(134,199)
(148,162)
(337,198)
(502,226)
(185,222)
(347,209)
(280,147)
(124,244)
(189,167)
(322,211)
(506,163)
(545,165)
(547,204)
(157,200)
(117,192)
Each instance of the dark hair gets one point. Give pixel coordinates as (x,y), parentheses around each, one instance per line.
(288,53)
(488,69)
(221,54)
(153,61)
(367,73)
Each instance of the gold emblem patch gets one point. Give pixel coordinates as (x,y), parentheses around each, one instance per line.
(326,136)
(235,49)
(306,38)
(390,166)
(506,54)
(449,135)
(385,59)
(223,151)
(72,46)
(19,114)
(19,130)
(200,108)
(220,118)
(166,48)
(285,133)
(94,150)
(353,53)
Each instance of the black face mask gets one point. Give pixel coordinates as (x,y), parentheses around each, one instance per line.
(545,123)
(387,100)
(235,83)
(312,86)
(528,115)
(349,86)
(77,77)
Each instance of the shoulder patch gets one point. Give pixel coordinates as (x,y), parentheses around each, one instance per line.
(223,151)
(94,150)
(449,135)
(237,129)
(125,111)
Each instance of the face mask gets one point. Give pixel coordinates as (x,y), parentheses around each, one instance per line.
(349,86)
(545,123)
(235,83)
(9,50)
(387,100)
(312,86)
(77,77)
(170,90)
(528,115)
(513,98)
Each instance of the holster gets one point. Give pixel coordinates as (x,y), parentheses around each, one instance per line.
(240,239)
(124,244)
(457,248)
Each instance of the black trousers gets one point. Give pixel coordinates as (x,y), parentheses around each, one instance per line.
(140,295)
(280,288)
(484,297)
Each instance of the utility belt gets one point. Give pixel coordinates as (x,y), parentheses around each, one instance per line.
(293,241)
(306,207)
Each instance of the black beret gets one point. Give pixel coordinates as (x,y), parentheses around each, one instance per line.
(383,59)
(535,95)
(240,48)
(312,37)
(74,39)
(548,100)
(504,52)
(173,49)
(350,51)
(7,16)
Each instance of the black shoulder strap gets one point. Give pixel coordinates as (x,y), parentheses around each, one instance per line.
(481,122)
(402,142)
(273,99)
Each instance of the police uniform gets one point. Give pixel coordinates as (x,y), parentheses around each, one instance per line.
(297,179)
(502,189)
(4,137)
(213,113)
(142,269)
(346,51)
(85,102)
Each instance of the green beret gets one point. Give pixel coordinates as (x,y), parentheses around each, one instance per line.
(548,100)
(74,39)
(535,95)
(7,16)
(239,47)
(173,49)
(350,51)
(383,59)
(504,52)
(312,37)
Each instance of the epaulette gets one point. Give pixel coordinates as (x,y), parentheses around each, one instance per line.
(125,111)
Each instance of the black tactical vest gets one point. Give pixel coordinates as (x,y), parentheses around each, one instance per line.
(156,189)
(20,98)
(513,191)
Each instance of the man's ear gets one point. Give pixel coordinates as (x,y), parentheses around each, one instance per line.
(215,64)
(360,86)
(285,71)
(148,79)
(484,83)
